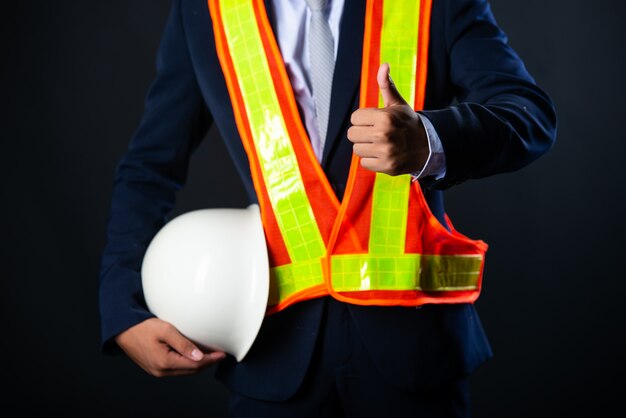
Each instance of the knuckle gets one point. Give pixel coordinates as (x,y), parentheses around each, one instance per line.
(165,327)
(381,136)
(387,150)
(386,119)
(389,137)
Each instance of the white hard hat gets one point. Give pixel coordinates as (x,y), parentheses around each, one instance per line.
(207,273)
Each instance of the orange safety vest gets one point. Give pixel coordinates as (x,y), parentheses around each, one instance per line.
(381,245)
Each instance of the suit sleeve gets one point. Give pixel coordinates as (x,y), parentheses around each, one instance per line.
(503,121)
(148,175)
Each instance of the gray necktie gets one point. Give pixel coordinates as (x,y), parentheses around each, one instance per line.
(322,57)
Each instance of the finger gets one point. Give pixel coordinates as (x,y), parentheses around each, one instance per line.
(175,361)
(390,94)
(177,365)
(372,164)
(182,345)
(365,134)
(179,361)
(365,150)
(364,117)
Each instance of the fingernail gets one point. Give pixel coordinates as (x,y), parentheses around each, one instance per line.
(196,354)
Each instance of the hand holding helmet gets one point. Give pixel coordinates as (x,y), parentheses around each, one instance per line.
(205,276)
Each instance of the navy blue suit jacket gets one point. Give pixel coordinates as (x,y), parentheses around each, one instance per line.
(491,118)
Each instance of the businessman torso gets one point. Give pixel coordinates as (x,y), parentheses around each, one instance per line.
(411,347)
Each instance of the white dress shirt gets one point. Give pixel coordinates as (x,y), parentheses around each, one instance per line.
(292,25)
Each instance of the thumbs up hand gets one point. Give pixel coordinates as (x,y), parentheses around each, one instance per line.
(391,140)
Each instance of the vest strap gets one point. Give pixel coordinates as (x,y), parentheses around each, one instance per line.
(432,273)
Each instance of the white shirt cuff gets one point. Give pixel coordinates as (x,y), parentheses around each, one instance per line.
(435,164)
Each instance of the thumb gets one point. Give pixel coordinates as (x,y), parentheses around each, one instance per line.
(391,95)
(182,345)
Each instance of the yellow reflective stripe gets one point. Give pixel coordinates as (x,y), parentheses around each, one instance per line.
(292,278)
(405,272)
(390,200)
(398,45)
(275,152)
(390,204)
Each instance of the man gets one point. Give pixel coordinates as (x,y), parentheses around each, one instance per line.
(335,352)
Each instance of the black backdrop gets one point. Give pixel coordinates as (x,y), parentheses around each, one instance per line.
(74,75)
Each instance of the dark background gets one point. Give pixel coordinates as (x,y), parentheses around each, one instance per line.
(74,75)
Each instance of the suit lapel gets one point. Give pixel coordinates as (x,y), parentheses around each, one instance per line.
(347,72)
(269,9)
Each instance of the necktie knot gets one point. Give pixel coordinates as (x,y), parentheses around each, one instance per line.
(317,5)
